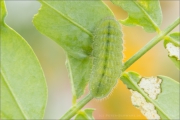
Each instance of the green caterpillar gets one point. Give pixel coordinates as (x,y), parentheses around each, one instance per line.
(107,57)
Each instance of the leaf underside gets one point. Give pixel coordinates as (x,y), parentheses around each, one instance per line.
(71,25)
(23,87)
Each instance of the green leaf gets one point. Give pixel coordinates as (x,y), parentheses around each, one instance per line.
(145,13)
(23,87)
(172,44)
(79,73)
(71,24)
(166,103)
(86,114)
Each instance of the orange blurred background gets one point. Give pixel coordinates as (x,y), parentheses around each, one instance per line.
(52,58)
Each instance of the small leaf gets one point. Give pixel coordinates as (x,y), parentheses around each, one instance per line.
(172,44)
(86,114)
(166,102)
(145,13)
(23,87)
(71,25)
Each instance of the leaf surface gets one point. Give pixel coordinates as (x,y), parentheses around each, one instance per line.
(166,103)
(145,13)
(71,25)
(23,86)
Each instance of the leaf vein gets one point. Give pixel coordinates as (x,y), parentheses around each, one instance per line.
(13,95)
(69,19)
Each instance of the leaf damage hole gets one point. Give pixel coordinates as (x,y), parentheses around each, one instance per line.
(173,50)
(146,108)
(151,85)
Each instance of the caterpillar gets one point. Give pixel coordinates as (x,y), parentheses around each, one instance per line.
(107,57)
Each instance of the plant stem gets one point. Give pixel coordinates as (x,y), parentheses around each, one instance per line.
(75,108)
(151,44)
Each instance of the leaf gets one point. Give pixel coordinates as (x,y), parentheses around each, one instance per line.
(145,13)
(86,114)
(79,73)
(172,44)
(166,103)
(71,24)
(23,86)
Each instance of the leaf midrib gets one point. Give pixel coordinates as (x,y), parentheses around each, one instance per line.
(69,19)
(71,78)
(144,94)
(12,93)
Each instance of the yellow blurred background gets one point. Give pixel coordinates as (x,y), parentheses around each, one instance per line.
(52,58)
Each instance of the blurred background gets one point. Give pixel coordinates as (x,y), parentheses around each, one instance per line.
(52,58)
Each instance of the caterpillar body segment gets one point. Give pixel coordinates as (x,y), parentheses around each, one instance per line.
(107,57)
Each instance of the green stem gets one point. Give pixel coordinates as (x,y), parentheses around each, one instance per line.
(151,44)
(75,108)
